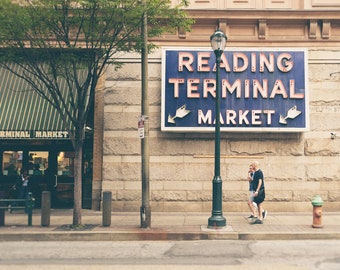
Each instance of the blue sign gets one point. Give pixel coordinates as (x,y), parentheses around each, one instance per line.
(261,90)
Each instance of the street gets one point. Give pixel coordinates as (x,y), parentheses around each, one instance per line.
(189,255)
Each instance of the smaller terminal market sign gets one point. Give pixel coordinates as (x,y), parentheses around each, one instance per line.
(261,90)
(34,134)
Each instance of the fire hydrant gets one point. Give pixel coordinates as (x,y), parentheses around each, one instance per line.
(317,212)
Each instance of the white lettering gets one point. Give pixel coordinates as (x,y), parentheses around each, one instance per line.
(51,134)
(234,118)
(203,61)
(14,134)
(185,59)
(204,119)
(176,82)
(240,62)
(192,88)
(195,88)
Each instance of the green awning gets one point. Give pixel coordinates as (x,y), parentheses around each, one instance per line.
(23,113)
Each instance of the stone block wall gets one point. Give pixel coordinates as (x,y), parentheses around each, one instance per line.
(296,166)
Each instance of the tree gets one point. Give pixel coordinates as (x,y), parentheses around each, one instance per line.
(68,42)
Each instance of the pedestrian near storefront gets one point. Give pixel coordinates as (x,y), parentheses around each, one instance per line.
(23,185)
(259,194)
(251,204)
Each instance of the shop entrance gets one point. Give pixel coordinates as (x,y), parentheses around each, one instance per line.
(34,137)
(49,170)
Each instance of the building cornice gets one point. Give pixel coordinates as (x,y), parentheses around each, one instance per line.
(265,14)
(296,28)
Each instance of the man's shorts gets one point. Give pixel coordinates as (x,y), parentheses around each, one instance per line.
(260,197)
(251,196)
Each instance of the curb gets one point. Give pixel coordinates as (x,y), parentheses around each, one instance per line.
(289,236)
(161,236)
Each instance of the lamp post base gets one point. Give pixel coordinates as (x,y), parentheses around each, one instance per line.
(217,222)
(145,217)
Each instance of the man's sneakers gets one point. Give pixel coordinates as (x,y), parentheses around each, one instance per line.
(256,221)
(264,215)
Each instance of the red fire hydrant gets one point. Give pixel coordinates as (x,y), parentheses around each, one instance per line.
(317,212)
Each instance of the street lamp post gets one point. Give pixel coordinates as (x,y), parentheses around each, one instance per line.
(218,41)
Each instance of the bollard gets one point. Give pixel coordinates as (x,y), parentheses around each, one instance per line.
(107,200)
(2,217)
(45,208)
(2,211)
(317,212)
(29,207)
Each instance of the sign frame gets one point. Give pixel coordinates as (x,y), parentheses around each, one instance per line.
(182,110)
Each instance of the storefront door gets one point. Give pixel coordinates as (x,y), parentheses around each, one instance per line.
(63,187)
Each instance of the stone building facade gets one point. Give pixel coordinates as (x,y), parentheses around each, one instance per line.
(296,165)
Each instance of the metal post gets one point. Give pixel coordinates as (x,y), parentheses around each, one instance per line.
(145,209)
(217,220)
(2,217)
(29,207)
(107,202)
(45,208)
(2,211)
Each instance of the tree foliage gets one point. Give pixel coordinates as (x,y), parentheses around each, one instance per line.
(71,42)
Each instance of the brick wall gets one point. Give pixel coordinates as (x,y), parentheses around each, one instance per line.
(296,166)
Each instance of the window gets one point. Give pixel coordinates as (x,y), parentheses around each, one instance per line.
(65,164)
(38,162)
(11,162)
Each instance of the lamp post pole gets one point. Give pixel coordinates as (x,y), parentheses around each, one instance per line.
(218,40)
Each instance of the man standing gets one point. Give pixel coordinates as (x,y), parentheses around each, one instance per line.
(23,185)
(259,194)
(22,188)
(250,202)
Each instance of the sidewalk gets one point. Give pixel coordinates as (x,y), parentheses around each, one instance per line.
(166,226)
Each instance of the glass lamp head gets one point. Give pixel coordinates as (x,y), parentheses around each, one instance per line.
(218,40)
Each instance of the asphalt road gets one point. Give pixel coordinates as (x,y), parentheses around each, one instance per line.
(188,255)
